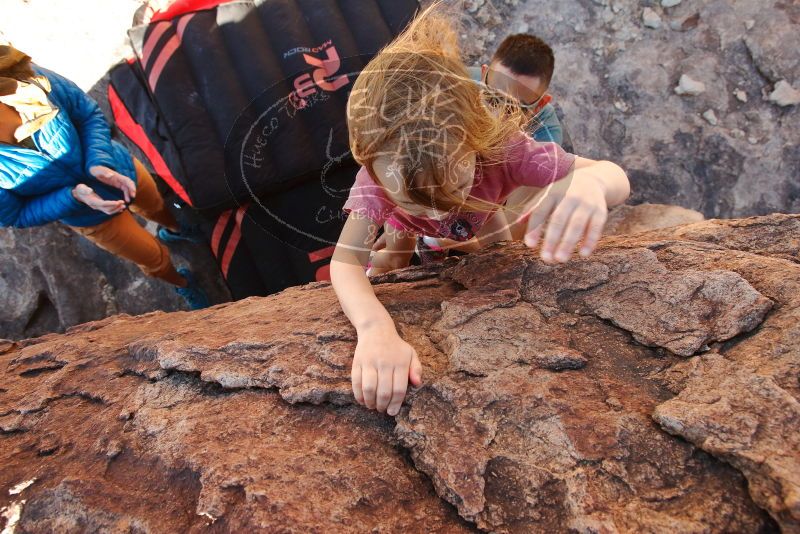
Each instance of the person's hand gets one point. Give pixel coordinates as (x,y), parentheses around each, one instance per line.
(85,194)
(382,367)
(384,261)
(575,211)
(115,179)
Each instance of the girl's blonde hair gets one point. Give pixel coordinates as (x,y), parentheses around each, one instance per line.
(416,101)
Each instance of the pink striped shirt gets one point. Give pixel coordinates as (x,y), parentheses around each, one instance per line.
(528,163)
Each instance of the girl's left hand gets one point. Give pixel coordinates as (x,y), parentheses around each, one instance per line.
(576,211)
(115,179)
(385,261)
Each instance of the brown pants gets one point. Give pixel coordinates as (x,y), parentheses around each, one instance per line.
(122,236)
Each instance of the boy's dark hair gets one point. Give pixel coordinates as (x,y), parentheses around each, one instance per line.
(526,55)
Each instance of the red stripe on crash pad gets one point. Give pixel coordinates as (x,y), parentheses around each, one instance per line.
(136,133)
(181,7)
(219,229)
(152,40)
(161,61)
(233,241)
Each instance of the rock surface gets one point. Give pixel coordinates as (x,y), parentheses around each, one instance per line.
(652,387)
(51,279)
(615,81)
(631,219)
(68,281)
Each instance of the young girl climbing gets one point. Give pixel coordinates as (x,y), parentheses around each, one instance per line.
(437,160)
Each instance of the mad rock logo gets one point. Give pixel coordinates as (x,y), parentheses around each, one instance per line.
(286,154)
(323,78)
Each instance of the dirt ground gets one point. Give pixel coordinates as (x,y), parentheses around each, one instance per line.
(79,40)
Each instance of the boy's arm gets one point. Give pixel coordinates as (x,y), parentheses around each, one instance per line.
(576,209)
(383,362)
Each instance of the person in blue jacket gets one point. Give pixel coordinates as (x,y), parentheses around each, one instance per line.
(58,163)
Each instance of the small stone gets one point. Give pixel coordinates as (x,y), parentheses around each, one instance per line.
(473,5)
(711,117)
(688,86)
(740,95)
(736,133)
(651,19)
(749,24)
(670,3)
(752,140)
(622,106)
(784,94)
(113,449)
(689,23)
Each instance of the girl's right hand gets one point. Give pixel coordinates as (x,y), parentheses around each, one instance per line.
(85,194)
(382,367)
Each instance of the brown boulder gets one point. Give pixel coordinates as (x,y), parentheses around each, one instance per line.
(632,219)
(650,388)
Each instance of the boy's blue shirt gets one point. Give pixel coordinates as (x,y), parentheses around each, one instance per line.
(36,185)
(545,126)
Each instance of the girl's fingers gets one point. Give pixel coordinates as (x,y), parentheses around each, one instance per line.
(369,386)
(536,219)
(556,227)
(593,233)
(355,378)
(576,229)
(415,370)
(384,394)
(532,237)
(399,387)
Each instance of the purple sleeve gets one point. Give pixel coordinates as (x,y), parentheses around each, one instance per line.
(368,199)
(534,164)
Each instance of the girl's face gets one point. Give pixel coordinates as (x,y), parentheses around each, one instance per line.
(460,172)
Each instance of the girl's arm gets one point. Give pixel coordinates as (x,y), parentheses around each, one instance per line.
(576,209)
(383,362)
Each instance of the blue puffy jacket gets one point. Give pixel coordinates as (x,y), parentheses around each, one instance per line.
(36,185)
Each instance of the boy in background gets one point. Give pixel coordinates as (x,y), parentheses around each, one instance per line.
(522,67)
